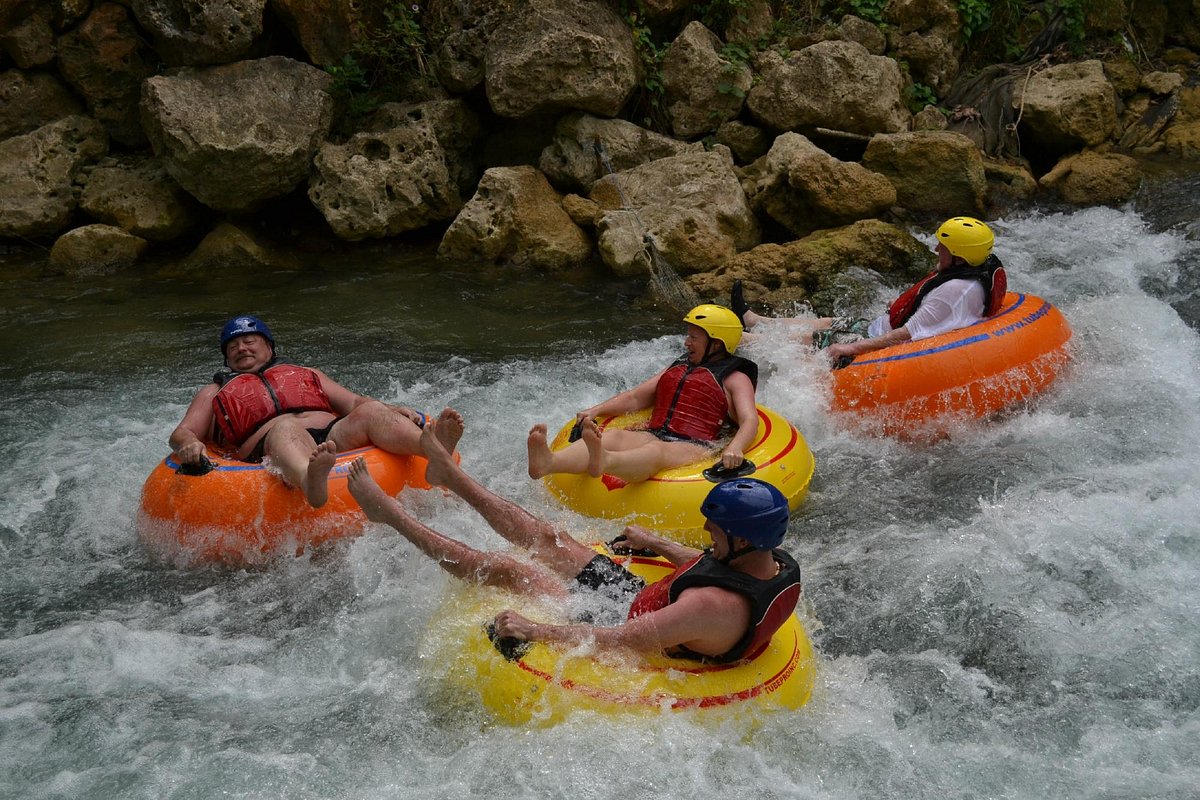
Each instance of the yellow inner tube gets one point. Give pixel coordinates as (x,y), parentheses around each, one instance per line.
(544,684)
(670,501)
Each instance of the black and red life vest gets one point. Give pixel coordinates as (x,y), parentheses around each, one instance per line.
(248,400)
(690,399)
(772,601)
(990,275)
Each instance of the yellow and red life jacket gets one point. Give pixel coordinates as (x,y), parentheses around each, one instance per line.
(690,399)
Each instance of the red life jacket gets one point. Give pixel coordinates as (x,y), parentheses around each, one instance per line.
(990,275)
(772,601)
(248,400)
(690,400)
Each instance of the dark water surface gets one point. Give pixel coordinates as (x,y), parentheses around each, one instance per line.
(1010,612)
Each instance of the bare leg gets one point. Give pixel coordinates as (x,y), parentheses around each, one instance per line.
(458,559)
(378,424)
(316,477)
(572,459)
(448,428)
(294,453)
(593,441)
(553,547)
(640,463)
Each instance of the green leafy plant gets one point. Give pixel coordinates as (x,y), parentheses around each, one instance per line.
(975,16)
(919,95)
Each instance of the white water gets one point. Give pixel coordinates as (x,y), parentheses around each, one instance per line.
(1011,612)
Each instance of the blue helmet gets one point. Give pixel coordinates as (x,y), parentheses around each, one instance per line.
(240,326)
(749,509)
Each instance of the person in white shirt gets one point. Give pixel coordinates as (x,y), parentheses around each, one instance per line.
(968,285)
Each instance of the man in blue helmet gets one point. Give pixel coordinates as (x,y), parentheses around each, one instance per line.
(720,605)
(259,406)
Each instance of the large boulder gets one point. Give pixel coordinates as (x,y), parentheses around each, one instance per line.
(926,35)
(29,37)
(784,274)
(238,134)
(456,127)
(691,206)
(95,250)
(186,32)
(106,62)
(586,148)
(136,194)
(326,29)
(383,183)
(1066,107)
(935,171)
(560,55)
(515,217)
(804,188)
(837,85)
(38,172)
(29,100)
(702,88)
(458,34)
(230,250)
(1091,178)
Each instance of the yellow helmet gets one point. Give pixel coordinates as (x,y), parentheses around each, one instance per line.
(967,238)
(719,323)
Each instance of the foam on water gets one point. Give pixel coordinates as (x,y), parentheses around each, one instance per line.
(1009,612)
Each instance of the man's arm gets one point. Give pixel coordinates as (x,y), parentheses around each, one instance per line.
(745,414)
(344,401)
(705,620)
(635,537)
(187,440)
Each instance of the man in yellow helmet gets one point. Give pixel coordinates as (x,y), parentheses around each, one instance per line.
(693,400)
(968,285)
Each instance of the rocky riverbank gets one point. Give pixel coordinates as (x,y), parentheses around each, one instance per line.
(740,138)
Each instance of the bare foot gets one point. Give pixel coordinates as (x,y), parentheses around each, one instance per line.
(316,480)
(592,438)
(370,495)
(441,461)
(540,457)
(449,428)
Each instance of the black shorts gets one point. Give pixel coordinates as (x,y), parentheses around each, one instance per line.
(602,592)
(319,435)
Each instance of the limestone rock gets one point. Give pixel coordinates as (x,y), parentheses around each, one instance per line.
(106,62)
(191,33)
(574,160)
(909,16)
(95,250)
(857,29)
(37,174)
(135,193)
(29,39)
(785,273)
(804,188)
(1067,106)
(691,205)
(456,127)
(29,100)
(238,134)
(1161,83)
(560,55)
(936,171)
(836,85)
(382,184)
(326,29)
(750,22)
(1091,178)
(702,89)
(230,249)
(747,142)
(1008,184)
(515,217)
(929,119)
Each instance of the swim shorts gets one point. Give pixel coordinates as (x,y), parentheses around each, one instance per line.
(843,331)
(319,435)
(604,590)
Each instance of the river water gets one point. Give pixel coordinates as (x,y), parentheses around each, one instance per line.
(1009,612)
